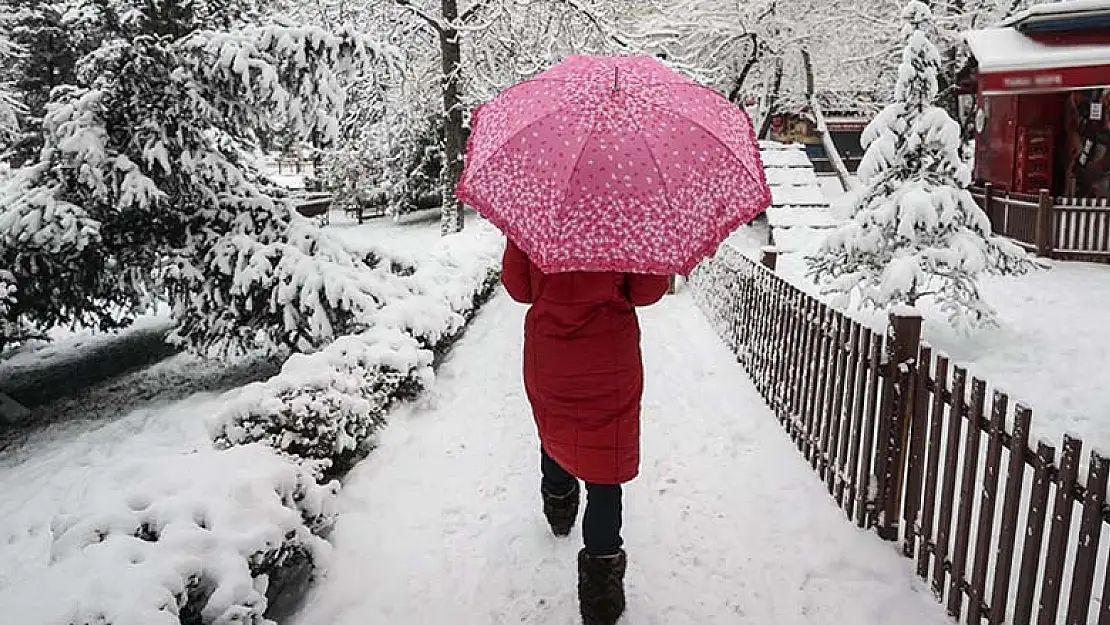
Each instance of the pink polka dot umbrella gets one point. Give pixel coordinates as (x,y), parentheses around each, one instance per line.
(614,164)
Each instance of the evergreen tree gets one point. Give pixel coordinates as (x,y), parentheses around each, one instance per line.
(915,231)
(140,191)
(10,106)
(47,60)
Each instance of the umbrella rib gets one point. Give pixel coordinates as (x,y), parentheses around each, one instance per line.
(655,160)
(581,155)
(724,145)
(529,125)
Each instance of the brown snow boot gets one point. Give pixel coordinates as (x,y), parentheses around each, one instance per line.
(601,587)
(561,510)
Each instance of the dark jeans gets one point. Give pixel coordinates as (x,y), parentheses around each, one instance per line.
(601,527)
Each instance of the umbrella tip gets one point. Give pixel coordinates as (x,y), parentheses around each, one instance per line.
(616,79)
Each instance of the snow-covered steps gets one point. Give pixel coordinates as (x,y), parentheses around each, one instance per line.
(442,524)
(791,176)
(799,204)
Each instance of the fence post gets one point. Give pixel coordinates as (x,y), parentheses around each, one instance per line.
(1044,224)
(769,257)
(988,199)
(902,344)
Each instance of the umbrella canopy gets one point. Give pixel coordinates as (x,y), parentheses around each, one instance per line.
(613,164)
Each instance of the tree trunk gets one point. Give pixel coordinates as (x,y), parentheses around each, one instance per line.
(454,140)
(831,150)
(734,95)
(772,101)
(807,66)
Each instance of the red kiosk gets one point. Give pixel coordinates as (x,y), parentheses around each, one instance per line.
(1043,127)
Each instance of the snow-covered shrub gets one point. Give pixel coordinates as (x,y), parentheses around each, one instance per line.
(326,406)
(208,537)
(915,231)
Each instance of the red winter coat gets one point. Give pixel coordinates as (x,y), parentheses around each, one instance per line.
(582,364)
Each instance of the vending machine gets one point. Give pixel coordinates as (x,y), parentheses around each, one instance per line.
(1033,159)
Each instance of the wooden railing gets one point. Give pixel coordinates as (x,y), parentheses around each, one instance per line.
(907,445)
(1054,227)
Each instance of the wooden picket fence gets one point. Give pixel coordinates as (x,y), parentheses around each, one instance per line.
(907,445)
(1055,227)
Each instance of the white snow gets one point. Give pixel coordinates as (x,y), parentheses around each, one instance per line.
(403,241)
(75,507)
(790,176)
(791,216)
(69,476)
(1007,50)
(211,512)
(798,195)
(726,524)
(775,154)
(800,239)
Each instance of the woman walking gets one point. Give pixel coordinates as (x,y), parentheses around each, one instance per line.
(607,175)
(584,378)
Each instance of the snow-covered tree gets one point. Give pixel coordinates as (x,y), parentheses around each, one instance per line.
(141,190)
(491,44)
(877,51)
(54,34)
(459,53)
(46,61)
(729,45)
(915,231)
(754,50)
(9,100)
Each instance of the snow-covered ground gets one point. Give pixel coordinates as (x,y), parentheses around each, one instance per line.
(384,231)
(726,524)
(131,431)
(71,473)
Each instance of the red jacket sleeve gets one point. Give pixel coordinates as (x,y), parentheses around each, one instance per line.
(645,290)
(516,274)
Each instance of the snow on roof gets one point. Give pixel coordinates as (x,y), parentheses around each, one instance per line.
(1058,9)
(1006,49)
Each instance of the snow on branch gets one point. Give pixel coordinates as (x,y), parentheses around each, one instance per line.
(255,65)
(325,407)
(241,269)
(10,106)
(436,23)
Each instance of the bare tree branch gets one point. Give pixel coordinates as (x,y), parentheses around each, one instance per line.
(473,10)
(601,27)
(436,24)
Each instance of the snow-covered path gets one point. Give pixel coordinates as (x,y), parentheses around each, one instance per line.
(726,524)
